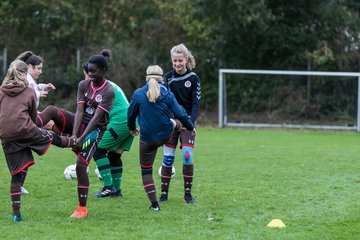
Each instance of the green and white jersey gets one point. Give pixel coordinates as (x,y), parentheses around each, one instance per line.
(118,112)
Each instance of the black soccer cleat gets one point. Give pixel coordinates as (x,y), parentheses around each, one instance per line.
(163,197)
(117,193)
(105,192)
(189,199)
(155,207)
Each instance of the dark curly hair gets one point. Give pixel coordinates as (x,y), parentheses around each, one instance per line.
(101,60)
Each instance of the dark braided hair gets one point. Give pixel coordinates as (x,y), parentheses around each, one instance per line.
(101,60)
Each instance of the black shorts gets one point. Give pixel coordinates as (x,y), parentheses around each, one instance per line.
(186,139)
(148,151)
(18,154)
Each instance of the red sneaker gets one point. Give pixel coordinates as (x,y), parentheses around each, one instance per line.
(80,212)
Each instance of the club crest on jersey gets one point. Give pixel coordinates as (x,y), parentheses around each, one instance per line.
(187,84)
(98,98)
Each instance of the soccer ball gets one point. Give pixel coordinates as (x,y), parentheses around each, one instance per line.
(97,172)
(70,172)
(172,172)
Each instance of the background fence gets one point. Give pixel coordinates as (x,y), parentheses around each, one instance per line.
(224,118)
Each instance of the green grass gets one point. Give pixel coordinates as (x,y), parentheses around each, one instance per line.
(243,180)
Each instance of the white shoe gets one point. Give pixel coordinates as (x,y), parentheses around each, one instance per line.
(24,191)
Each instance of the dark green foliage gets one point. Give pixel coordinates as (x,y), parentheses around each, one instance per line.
(314,35)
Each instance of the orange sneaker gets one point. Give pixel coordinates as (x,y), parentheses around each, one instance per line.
(80,212)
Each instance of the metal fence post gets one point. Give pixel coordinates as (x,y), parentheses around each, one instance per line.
(358,107)
(220,99)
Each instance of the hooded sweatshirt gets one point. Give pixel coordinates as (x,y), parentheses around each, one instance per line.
(154,118)
(17,112)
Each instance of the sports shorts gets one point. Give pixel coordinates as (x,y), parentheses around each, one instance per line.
(87,155)
(148,151)
(18,154)
(116,136)
(186,139)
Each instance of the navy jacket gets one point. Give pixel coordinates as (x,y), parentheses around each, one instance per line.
(154,118)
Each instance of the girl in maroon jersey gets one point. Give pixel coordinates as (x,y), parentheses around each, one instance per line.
(94,101)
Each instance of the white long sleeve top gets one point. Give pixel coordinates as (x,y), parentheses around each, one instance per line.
(38,87)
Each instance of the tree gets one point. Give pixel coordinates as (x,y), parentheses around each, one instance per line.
(265,34)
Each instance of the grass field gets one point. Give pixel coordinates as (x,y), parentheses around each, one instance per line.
(243,180)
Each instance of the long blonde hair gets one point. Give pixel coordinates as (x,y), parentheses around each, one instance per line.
(154,75)
(182,49)
(16,74)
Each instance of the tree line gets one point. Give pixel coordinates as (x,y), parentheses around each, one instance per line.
(318,35)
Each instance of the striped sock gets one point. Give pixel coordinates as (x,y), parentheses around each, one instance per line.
(188,172)
(116,166)
(148,182)
(103,165)
(15,193)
